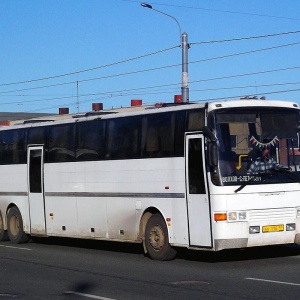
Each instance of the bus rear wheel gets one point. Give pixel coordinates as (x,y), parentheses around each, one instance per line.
(157,239)
(15,227)
(3,233)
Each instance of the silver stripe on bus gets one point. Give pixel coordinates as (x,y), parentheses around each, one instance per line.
(114,195)
(13,194)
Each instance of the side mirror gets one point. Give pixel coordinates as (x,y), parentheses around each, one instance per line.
(212,154)
(212,147)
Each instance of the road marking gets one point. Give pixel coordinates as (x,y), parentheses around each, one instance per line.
(87,295)
(16,247)
(273,281)
(190,282)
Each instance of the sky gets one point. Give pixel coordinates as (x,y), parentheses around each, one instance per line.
(72,53)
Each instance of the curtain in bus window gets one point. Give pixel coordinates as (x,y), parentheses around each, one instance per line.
(13,147)
(61,143)
(196,120)
(150,140)
(167,134)
(90,140)
(159,135)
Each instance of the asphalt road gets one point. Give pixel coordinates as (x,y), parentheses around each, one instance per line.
(74,269)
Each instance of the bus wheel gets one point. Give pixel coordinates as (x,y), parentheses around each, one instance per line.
(15,227)
(157,240)
(3,233)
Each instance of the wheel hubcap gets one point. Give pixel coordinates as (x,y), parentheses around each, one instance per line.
(14,225)
(156,238)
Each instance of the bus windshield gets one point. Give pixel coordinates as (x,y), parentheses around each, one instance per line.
(257,146)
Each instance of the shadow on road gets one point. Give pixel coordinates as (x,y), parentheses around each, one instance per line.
(90,244)
(182,253)
(252,253)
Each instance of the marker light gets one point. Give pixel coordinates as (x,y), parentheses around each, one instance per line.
(298,212)
(220,217)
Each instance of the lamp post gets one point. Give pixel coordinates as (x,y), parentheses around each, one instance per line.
(184,48)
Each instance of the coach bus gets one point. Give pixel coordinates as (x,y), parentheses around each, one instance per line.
(167,176)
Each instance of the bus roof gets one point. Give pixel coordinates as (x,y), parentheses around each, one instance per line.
(146,109)
(251,103)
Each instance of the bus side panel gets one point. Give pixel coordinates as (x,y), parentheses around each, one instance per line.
(105,199)
(13,187)
(60,199)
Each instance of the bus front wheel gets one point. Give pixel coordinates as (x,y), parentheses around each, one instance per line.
(15,227)
(3,233)
(157,239)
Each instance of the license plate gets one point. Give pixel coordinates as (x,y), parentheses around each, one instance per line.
(273,228)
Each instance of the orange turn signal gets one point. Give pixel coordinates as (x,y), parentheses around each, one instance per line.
(220,217)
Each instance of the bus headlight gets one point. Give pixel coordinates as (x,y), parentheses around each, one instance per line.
(242,215)
(237,216)
(232,216)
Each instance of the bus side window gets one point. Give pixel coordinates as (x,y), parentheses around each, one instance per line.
(159,135)
(166,134)
(122,138)
(61,143)
(90,140)
(13,147)
(150,138)
(36,135)
(195,120)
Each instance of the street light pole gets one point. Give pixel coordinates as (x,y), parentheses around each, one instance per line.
(184,48)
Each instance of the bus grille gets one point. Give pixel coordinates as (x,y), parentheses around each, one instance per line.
(265,214)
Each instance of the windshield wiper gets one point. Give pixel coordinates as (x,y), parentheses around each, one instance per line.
(270,172)
(287,172)
(265,173)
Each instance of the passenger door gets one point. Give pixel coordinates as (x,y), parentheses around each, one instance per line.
(35,159)
(198,205)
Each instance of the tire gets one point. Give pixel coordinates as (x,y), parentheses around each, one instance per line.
(15,227)
(157,239)
(3,233)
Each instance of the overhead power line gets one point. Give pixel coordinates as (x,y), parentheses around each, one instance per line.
(139,57)
(217,10)
(202,100)
(110,94)
(245,52)
(241,96)
(152,69)
(246,38)
(246,86)
(88,70)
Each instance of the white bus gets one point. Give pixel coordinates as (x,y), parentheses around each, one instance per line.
(168,176)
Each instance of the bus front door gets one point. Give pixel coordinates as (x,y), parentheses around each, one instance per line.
(198,207)
(36,190)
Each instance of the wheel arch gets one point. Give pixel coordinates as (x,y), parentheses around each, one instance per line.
(5,212)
